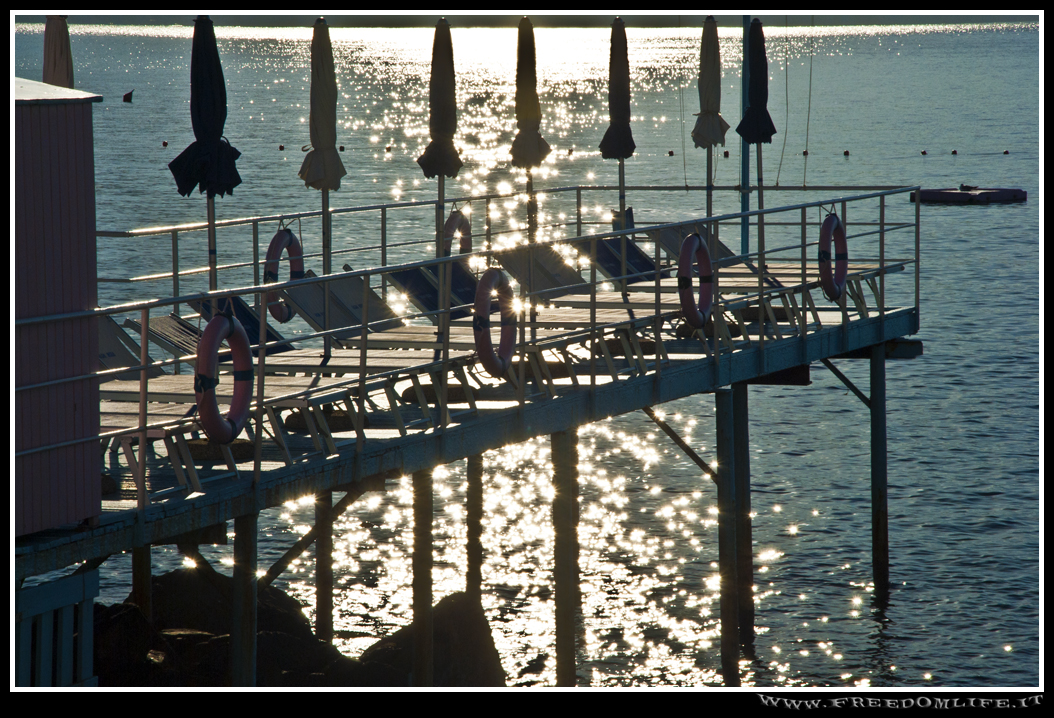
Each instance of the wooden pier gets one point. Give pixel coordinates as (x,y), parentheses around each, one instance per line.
(413,398)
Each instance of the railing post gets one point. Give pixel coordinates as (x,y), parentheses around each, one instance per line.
(918,246)
(175,268)
(261,299)
(578,211)
(256,259)
(882,263)
(144,379)
(593,329)
(384,251)
(804,288)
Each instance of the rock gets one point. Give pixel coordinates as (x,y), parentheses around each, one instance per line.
(200,598)
(128,651)
(463,647)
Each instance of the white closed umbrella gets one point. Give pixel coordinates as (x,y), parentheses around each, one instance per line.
(322,168)
(711,127)
(58,59)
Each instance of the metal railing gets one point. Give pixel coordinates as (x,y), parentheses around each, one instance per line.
(734,303)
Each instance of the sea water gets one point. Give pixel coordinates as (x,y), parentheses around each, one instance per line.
(963,419)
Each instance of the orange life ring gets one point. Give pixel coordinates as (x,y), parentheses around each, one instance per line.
(283,239)
(495,364)
(206,377)
(695,314)
(833,284)
(457,224)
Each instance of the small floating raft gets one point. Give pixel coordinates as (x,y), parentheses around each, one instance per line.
(965,194)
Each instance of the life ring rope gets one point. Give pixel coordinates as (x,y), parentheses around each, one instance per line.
(283,240)
(832,280)
(457,223)
(693,247)
(496,363)
(220,429)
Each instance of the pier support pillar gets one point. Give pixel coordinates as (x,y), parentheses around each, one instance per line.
(726,536)
(324,566)
(422,579)
(142,591)
(879,499)
(243,630)
(744,530)
(565,559)
(474,525)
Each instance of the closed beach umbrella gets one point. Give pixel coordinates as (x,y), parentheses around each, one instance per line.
(440,157)
(208,162)
(58,59)
(618,140)
(756,125)
(710,128)
(528,148)
(322,168)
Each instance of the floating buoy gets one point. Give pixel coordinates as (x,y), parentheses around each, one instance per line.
(164,143)
(955,152)
(342,148)
(388,148)
(671,153)
(924,152)
(846,153)
(570,152)
(1006,152)
(128,96)
(281,147)
(805,153)
(726,153)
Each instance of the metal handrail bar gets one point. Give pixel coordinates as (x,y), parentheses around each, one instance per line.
(196,226)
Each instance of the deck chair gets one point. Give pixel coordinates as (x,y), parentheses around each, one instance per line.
(308,302)
(421,287)
(348,292)
(609,254)
(551,271)
(248,317)
(117,349)
(670,240)
(175,335)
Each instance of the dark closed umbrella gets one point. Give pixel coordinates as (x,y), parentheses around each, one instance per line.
(618,140)
(756,125)
(529,148)
(440,157)
(209,161)
(58,59)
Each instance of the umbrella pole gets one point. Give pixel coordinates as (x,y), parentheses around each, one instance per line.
(709,182)
(622,219)
(327,267)
(532,225)
(761,219)
(443,296)
(211,216)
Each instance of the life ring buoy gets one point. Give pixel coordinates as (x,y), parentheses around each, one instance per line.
(495,364)
(219,429)
(283,239)
(833,284)
(695,314)
(457,225)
